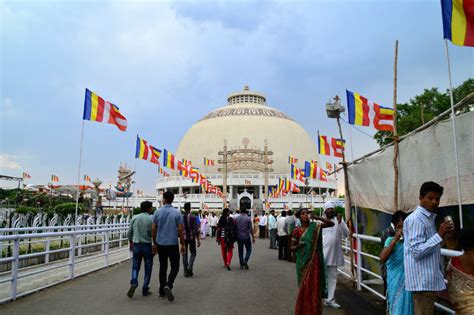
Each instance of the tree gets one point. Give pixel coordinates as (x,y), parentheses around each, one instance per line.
(424,107)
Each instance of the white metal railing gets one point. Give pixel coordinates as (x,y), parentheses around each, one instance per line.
(73,245)
(359,269)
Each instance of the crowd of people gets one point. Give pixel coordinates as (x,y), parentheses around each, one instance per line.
(411,255)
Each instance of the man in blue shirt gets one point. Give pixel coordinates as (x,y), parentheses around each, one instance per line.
(422,249)
(272,228)
(167,227)
(243,224)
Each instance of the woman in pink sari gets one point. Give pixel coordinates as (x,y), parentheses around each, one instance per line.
(307,245)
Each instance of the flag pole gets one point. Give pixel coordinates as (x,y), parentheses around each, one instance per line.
(319,178)
(79,174)
(458,179)
(395,132)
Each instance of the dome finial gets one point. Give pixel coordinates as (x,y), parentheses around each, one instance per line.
(246,88)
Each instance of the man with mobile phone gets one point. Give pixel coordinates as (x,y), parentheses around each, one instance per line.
(422,249)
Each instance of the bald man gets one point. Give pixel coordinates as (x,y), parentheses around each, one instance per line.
(332,248)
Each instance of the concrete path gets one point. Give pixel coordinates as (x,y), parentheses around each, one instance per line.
(269,287)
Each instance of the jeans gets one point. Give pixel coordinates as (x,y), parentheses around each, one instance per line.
(273,236)
(190,246)
(166,252)
(283,247)
(248,250)
(142,250)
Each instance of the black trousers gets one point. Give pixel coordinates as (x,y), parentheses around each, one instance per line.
(213,229)
(283,247)
(165,253)
(262,231)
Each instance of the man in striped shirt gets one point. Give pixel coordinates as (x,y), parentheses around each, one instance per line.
(423,275)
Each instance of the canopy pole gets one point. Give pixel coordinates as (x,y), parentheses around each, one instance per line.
(456,156)
(348,198)
(395,132)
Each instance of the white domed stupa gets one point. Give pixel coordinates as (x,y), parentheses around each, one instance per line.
(239,137)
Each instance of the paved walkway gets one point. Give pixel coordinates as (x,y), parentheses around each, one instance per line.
(269,287)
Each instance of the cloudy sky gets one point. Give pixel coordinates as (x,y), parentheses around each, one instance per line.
(168,64)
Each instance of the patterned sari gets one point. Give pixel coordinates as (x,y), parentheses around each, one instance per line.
(399,300)
(310,270)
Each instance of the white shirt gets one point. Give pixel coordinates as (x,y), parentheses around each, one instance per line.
(213,221)
(332,246)
(263,220)
(281,226)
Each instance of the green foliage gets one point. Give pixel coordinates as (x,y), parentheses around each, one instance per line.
(68,208)
(431,103)
(25,210)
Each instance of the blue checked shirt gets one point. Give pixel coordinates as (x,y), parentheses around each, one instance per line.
(422,252)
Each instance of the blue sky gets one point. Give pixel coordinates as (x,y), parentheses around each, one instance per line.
(168,64)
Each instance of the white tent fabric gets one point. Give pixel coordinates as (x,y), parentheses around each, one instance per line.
(424,156)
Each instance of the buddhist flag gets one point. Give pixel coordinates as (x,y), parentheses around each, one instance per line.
(184,168)
(96,109)
(296,173)
(310,169)
(26,175)
(337,147)
(363,112)
(323,145)
(458,21)
(292,160)
(209,162)
(147,152)
(87,178)
(323,175)
(54,178)
(194,174)
(329,166)
(168,159)
(294,188)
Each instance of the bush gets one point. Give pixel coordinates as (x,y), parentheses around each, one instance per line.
(68,208)
(25,210)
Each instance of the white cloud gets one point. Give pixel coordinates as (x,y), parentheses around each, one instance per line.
(9,161)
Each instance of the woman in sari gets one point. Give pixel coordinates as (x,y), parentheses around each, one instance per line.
(399,300)
(203,227)
(307,245)
(461,276)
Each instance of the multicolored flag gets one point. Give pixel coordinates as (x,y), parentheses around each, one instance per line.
(329,166)
(26,175)
(323,175)
(323,145)
(147,152)
(338,146)
(87,178)
(292,160)
(96,109)
(209,162)
(310,169)
(184,168)
(168,160)
(297,173)
(363,112)
(458,21)
(54,178)
(194,174)
(165,174)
